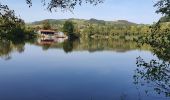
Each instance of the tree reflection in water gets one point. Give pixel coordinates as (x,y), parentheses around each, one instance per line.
(68,46)
(7,47)
(91,45)
(155,73)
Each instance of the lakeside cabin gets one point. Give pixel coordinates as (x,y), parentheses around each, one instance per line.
(46,33)
(51,33)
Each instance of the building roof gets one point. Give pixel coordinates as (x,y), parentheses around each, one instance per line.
(47,31)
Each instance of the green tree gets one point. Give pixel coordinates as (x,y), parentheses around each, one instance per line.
(165,19)
(8,16)
(163,7)
(68,27)
(8,20)
(46,25)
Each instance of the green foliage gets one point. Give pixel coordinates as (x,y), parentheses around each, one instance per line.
(11,27)
(8,20)
(96,29)
(163,7)
(97,21)
(159,35)
(93,45)
(101,29)
(68,27)
(7,47)
(165,19)
(112,29)
(154,74)
(115,31)
(46,25)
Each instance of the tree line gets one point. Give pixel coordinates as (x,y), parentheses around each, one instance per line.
(12,26)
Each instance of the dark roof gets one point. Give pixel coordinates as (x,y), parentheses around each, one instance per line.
(51,31)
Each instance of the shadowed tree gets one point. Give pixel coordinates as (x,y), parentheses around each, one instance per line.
(163,7)
(8,20)
(68,27)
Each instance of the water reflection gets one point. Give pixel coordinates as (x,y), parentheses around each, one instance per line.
(155,73)
(81,75)
(91,45)
(50,40)
(7,47)
(47,43)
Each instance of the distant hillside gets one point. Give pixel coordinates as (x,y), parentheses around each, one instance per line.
(52,21)
(84,21)
(124,22)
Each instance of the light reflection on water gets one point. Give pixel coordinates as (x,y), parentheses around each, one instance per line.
(73,70)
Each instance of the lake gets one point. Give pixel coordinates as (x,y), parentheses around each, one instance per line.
(84,69)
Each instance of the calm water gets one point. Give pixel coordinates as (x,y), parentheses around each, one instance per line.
(80,70)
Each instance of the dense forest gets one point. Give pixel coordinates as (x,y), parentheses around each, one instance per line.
(94,28)
(12,27)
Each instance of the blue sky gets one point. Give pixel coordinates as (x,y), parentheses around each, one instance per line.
(139,11)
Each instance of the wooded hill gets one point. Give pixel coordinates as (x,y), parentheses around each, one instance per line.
(84,21)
